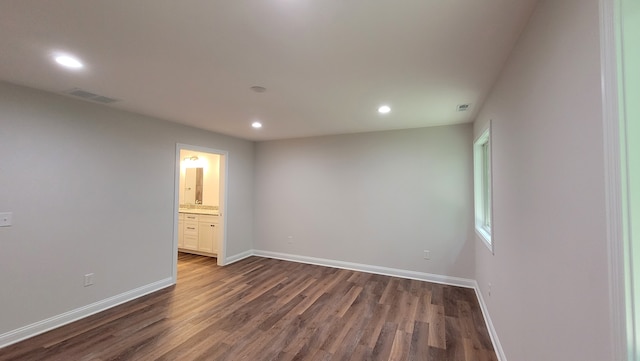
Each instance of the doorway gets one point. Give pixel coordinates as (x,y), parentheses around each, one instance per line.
(200,192)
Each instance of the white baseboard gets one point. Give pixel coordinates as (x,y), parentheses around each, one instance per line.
(420,276)
(492,331)
(238,257)
(48,324)
(82,312)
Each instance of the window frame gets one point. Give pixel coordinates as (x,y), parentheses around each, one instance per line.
(482,188)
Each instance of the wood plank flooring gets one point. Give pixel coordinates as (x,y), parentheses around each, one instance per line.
(265,309)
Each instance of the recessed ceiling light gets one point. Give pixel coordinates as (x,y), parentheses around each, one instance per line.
(258,89)
(384,109)
(69,61)
(256,125)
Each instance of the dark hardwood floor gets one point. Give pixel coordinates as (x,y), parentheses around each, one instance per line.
(265,309)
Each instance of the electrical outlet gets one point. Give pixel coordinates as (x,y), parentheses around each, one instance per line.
(5,219)
(88,279)
(427,254)
(290,239)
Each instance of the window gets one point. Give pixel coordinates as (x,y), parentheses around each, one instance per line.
(482,186)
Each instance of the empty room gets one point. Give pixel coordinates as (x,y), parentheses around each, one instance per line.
(319,180)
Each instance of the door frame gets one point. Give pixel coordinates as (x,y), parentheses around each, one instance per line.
(224,165)
(623,332)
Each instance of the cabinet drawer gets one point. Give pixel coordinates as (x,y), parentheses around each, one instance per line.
(190,242)
(190,217)
(208,219)
(191,228)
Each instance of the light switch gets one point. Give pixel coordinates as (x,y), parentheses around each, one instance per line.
(5,219)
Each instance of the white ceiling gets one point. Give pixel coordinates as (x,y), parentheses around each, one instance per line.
(327,64)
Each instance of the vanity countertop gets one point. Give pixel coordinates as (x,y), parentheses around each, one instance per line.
(210,212)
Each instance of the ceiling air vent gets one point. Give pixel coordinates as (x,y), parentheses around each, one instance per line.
(463,107)
(79,93)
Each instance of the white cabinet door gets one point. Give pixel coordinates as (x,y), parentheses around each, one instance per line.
(206,237)
(216,238)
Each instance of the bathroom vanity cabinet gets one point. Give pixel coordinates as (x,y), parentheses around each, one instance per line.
(198,233)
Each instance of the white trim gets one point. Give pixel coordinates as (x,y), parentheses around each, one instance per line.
(176,210)
(485,237)
(479,201)
(492,331)
(62,319)
(238,257)
(395,272)
(613,141)
(224,206)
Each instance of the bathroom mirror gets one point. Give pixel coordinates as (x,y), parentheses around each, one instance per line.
(193,185)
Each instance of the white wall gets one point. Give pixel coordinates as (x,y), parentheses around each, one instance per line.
(92,190)
(373,198)
(549,298)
